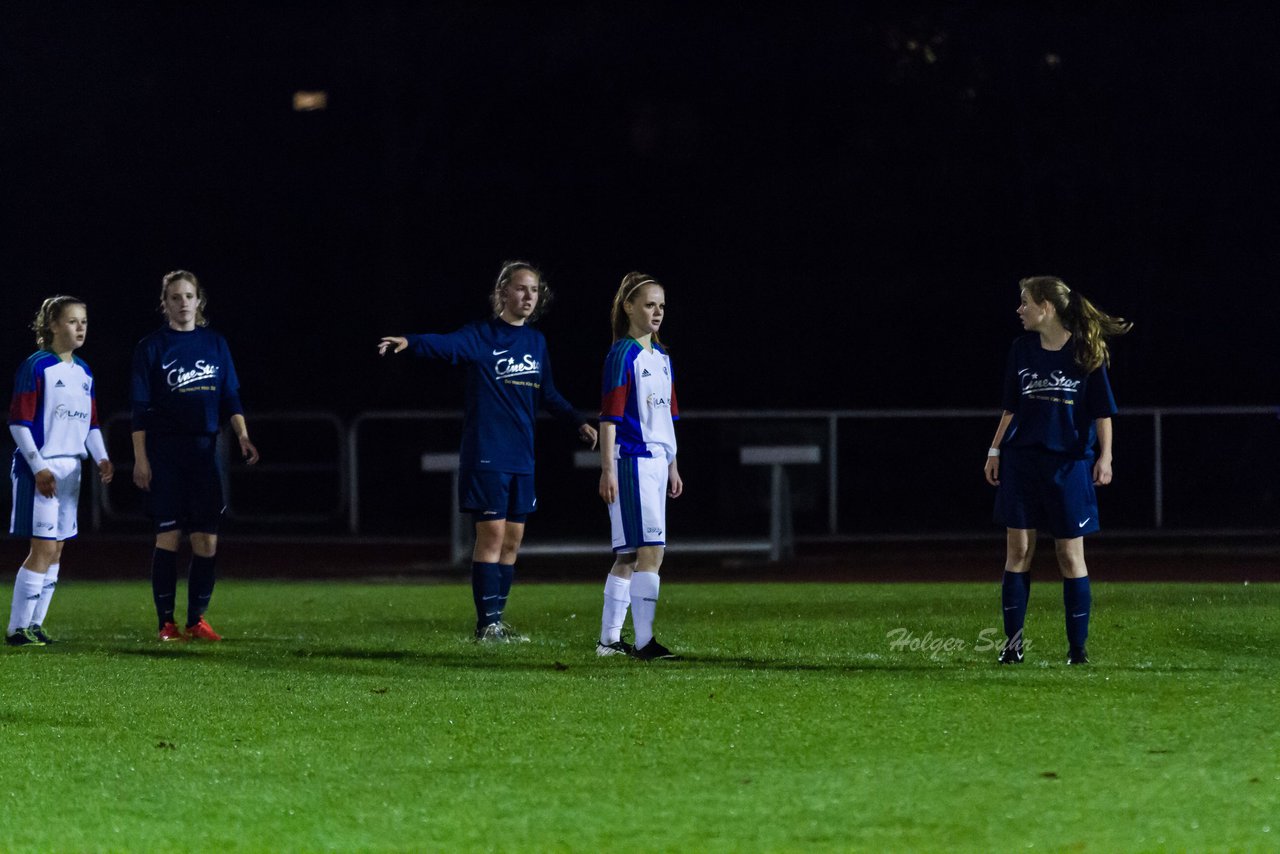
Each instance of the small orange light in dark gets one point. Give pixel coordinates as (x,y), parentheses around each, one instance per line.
(306,102)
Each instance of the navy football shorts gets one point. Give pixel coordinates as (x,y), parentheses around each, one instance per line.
(1047,492)
(493,495)
(186,483)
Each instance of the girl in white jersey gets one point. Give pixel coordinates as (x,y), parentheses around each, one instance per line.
(638,464)
(53,418)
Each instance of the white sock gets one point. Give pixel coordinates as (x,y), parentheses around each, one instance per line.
(617,598)
(644,602)
(46,593)
(26,593)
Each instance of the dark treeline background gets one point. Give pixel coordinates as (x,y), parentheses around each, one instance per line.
(839,197)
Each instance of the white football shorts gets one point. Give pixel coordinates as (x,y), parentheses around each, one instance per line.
(40,518)
(639,516)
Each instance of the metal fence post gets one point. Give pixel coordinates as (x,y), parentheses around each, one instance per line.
(1158,476)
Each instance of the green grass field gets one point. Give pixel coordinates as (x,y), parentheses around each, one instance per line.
(359,717)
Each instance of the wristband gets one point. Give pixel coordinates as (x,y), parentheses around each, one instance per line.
(993,452)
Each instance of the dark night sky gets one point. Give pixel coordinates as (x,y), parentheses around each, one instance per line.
(839,197)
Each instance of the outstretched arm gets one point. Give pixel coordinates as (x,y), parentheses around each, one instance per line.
(456,348)
(392,342)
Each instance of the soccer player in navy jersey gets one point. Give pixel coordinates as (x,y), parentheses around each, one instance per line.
(53,418)
(638,473)
(184,385)
(508,379)
(1057,403)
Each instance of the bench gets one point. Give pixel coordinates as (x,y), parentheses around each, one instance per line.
(781,542)
(781,529)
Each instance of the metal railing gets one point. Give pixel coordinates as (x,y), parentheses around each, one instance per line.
(314,423)
(831,430)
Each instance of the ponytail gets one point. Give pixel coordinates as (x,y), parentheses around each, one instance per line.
(1090,327)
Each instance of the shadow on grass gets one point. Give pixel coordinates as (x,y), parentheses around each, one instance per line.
(744,663)
(497,660)
(173,651)
(46,720)
(517,659)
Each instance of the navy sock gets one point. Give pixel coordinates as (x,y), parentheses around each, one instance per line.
(506,574)
(1015,591)
(199,588)
(486,591)
(1077,601)
(164,583)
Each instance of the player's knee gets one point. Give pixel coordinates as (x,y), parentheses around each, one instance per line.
(1072,566)
(489,534)
(204,545)
(43,554)
(45,548)
(649,559)
(168,540)
(1018,553)
(1071,559)
(1018,561)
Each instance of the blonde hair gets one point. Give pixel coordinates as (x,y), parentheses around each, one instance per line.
(1090,327)
(185,276)
(506,274)
(631,284)
(50,311)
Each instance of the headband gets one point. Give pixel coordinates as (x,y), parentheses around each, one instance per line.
(627,296)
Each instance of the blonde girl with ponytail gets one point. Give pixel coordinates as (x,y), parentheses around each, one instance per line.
(53,419)
(638,471)
(1058,405)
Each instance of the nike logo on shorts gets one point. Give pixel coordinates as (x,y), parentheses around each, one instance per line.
(1085,522)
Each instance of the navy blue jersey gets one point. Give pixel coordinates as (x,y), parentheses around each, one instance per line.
(1053,400)
(508,380)
(184,383)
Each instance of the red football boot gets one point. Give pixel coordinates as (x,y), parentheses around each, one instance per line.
(202,631)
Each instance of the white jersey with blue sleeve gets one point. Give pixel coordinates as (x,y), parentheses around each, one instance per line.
(638,394)
(55,400)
